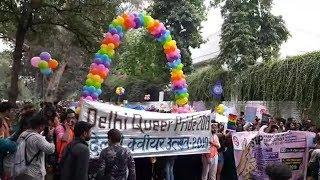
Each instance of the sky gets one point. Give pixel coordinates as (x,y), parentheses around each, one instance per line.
(301,18)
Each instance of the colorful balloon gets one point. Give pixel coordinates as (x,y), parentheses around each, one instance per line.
(35,61)
(43,64)
(53,64)
(99,70)
(45,56)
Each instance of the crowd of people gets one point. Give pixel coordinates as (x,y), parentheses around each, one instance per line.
(50,143)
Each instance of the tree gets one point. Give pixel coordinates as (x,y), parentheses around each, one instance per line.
(183,18)
(5,63)
(249,32)
(142,57)
(139,66)
(84,19)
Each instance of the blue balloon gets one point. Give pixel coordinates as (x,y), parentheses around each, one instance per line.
(180,91)
(174,64)
(111,26)
(91,89)
(103,57)
(119,29)
(141,19)
(85,88)
(98,91)
(164,36)
(46,72)
(161,33)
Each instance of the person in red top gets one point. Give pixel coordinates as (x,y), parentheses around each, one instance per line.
(64,132)
(210,160)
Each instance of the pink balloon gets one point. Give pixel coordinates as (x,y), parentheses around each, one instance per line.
(93,65)
(180,83)
(116,37)
(89,98)
(35,61)
(102,67)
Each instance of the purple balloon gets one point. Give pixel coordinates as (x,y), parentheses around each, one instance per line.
(85,93)
(94,98)
(138,23)
(94,95)
(45,56)
(97,61)
(106,64)
(113,31)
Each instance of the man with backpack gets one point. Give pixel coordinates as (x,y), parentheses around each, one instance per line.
(29,161)
(74,163)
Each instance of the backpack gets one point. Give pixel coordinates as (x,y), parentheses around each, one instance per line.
(20,162)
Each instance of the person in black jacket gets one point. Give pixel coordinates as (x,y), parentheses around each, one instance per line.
(74,163)
(117,161)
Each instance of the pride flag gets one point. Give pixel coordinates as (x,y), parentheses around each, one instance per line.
(232,120)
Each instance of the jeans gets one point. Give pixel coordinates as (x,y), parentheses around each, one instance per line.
(209,168)
(169,168)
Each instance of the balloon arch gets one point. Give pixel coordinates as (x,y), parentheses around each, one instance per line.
(99,69)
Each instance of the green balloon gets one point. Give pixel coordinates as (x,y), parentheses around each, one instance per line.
(89,82)
(97,84)
(180,66)
(43,64)
(181,96)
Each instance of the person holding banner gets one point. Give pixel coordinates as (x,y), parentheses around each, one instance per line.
(210,160)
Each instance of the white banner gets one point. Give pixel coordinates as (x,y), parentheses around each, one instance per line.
(146,133)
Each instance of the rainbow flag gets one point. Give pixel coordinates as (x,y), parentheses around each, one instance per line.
(232,120)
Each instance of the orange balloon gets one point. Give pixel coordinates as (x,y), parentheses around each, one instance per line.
(53,64)
(103,74)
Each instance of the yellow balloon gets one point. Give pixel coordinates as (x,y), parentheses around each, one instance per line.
(96,78)
(169,44)
(220,109)
(110,53)
(89,76)
(182,101)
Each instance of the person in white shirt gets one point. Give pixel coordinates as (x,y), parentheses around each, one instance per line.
(36,146)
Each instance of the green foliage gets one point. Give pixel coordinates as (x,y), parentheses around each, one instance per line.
(42,21)
(136,88)
(142,57)
(5,63)
(183,17)
(293,79)
(201,82)
(4,73)
(249,31)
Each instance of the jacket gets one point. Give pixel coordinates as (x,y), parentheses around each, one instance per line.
(74,163)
